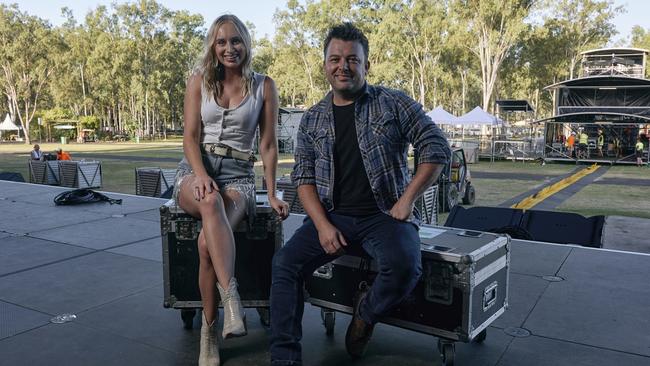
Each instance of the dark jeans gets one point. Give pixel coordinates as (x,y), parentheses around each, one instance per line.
(395,245)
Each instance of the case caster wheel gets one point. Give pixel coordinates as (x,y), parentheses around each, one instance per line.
(447,352)
(265,316)
(481,336)
(329,319)
(188,318)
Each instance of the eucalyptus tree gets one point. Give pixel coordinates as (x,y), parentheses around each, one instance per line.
(297,42)
(641,39)
(27,44)
(408,42)
(176,53)
(69,88)
(549,51)
(460,83)
(142,22)
(109,67)
(576,26)
(495,26)
(300,31)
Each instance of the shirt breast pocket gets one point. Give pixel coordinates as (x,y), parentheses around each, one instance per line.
(384,128)
(320,138)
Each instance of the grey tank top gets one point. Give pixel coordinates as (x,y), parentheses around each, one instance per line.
(234,127)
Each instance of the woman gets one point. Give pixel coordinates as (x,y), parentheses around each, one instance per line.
(224,103)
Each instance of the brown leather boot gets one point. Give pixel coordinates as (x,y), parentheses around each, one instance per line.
(359,332)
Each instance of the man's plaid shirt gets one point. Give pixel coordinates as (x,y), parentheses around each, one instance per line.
(387,121)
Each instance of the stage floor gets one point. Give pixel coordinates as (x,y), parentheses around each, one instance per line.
(103,263)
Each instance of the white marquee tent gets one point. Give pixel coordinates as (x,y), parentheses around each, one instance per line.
(7,125)
(441,116)
(478,116)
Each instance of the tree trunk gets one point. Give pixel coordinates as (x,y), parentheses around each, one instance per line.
(83,89)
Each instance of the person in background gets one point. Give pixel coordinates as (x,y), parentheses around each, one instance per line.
(600,142)
(583,140)
(570,143)
(62,155)
(618,148)
(225,103)
(352,178)
(638,148)
(36,154)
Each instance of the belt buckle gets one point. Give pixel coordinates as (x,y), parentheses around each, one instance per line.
(212,147)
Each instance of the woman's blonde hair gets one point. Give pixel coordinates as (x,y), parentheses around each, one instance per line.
(208,64)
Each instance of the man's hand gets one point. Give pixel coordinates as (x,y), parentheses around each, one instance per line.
(331,239)
(401,210)
(281,207)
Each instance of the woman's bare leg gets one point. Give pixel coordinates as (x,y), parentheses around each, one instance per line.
(218,212)
(207,280)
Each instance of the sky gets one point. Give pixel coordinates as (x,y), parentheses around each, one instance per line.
(260,12)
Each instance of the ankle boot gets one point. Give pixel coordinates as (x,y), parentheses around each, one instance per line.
(209,354)
(234,317)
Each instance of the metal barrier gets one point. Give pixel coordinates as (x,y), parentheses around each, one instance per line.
(44,172)
(80,174)
(153,181)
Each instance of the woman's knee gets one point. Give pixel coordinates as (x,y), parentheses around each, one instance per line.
(211,204)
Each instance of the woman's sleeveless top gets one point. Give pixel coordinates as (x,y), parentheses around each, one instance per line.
(233,127)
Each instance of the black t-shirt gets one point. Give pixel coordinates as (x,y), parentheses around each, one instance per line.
(352,193)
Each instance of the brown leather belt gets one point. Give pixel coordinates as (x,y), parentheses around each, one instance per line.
(227,151)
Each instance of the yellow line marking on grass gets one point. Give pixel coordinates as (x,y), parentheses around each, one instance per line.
(544,193)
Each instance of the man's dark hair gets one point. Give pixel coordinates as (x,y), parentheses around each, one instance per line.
(347,32)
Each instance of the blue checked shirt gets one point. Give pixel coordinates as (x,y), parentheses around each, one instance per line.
(386,121)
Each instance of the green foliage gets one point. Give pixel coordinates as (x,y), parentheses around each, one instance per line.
(90,122)
(123,68)
(56,114)
(641,39)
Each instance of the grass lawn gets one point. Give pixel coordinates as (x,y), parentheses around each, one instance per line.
(119,175)
(493,192)
(527,167)
(602,199)
(627,172)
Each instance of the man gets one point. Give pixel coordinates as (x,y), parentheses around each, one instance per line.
(638,150)
(600,142)
(583,140)
(352,178)
(36,154)
(62,155)
(570,143)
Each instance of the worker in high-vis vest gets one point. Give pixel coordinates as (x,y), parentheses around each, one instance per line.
(638,148)
(600,142)
(570,143)
(582,144)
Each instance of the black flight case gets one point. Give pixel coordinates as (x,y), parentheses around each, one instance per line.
(255,245)
(463,288)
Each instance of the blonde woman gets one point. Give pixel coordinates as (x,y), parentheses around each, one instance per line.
(225,102)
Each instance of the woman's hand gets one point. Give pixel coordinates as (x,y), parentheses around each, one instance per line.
(203,185)
(281,207)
